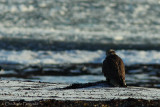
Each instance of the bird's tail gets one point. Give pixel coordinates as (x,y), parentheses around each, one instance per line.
(123,84)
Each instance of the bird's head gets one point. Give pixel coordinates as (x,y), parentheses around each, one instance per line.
(110,52)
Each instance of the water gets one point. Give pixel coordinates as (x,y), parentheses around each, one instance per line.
(29,57)
(60,35)
(124,22)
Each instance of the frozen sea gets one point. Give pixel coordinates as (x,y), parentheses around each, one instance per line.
(65,40)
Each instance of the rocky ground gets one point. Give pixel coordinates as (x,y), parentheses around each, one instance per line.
(141,75)
(90,94)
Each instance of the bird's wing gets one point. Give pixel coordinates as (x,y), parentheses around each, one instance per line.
(114,69)
(109,68)
(106,68)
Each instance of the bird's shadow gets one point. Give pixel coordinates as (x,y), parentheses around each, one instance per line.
(98,84)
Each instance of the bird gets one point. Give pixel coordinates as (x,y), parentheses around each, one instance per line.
(113,69)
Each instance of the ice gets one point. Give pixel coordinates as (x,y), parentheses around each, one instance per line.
(76,56)
(124,22)
(32,91)
(25,8)
(49,57)
(71,79)
(79,21)
(139,57)
(135,71)
(62,79)
(7,72)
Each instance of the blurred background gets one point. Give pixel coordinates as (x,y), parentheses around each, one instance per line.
(65,41)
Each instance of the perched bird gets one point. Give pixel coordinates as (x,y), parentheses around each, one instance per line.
(114,69)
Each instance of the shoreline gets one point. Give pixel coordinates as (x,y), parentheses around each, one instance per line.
(142,73)
(61,103)
(88,94)
(38,44)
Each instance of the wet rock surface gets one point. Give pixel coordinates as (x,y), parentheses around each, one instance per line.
(143,75)
(89,94)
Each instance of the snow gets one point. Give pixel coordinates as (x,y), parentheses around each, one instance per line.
(77,56)
(31,91)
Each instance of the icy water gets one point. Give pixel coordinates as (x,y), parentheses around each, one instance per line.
(65,40)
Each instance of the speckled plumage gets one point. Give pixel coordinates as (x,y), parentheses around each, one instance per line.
(114,69)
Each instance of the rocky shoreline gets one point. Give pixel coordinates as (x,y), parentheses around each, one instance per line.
(146,75)
(18,93)
(69,69)
(60,103)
